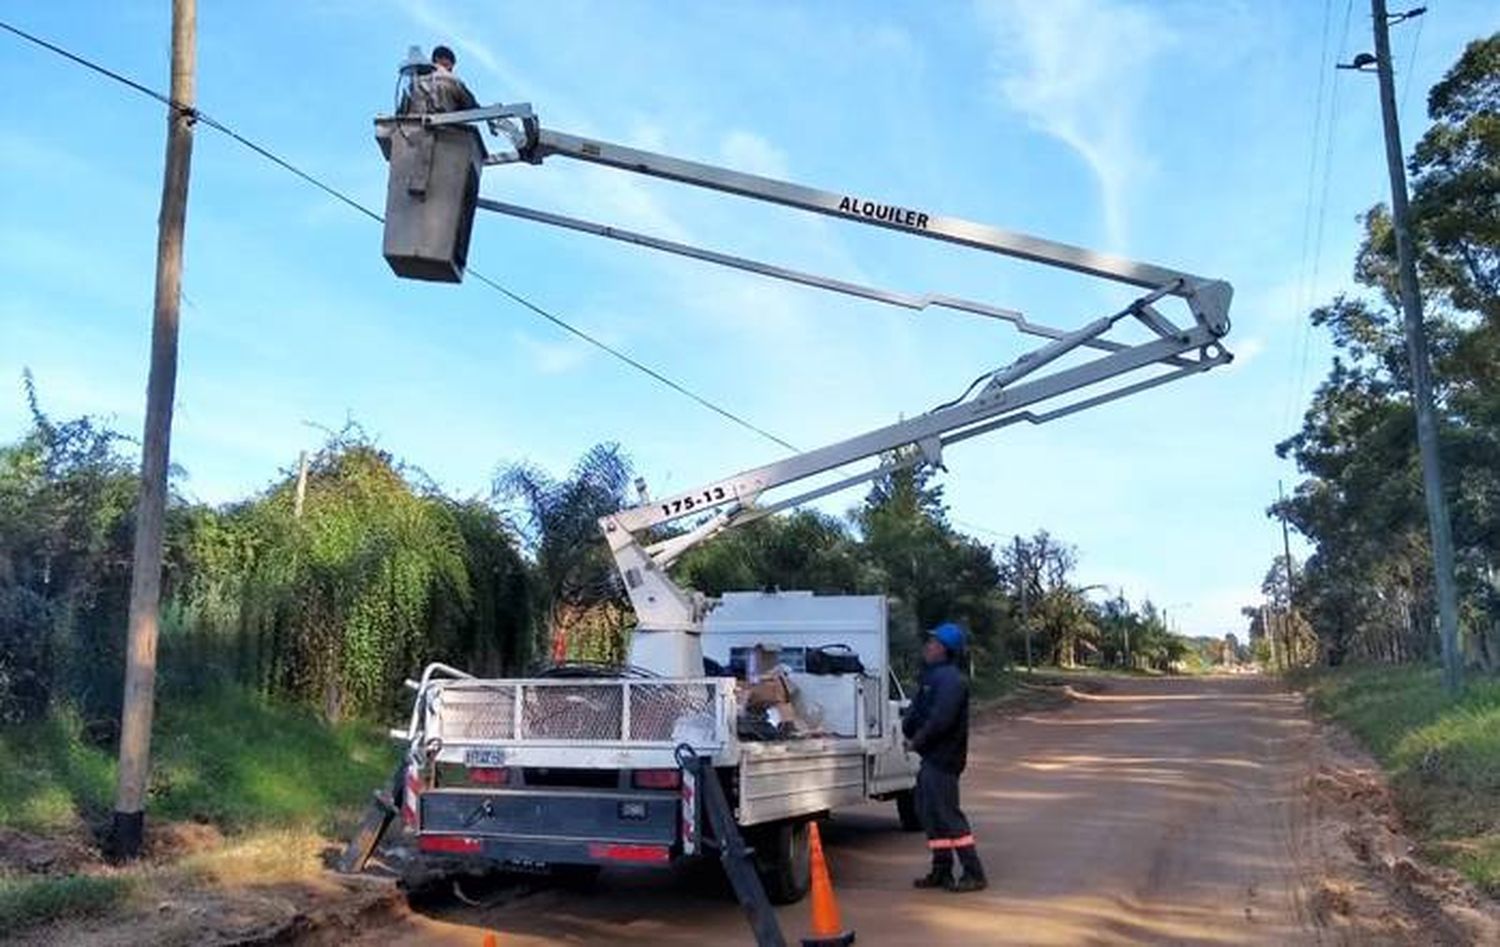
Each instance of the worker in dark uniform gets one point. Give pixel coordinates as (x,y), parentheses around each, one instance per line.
(937,727)
(437,89)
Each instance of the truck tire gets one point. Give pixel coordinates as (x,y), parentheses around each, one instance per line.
(783,859)
(906,809)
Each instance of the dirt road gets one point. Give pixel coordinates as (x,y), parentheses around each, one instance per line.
(1159,811)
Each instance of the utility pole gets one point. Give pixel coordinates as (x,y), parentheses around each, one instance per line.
(1021,571)
(1416,348)
(145,580)
(301,495)
(1286,549)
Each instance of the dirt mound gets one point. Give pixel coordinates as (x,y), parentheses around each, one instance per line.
(167,841)
(23,853)
(1372,884)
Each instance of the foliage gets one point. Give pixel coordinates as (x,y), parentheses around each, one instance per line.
(66,501)
(1443,756)
(28,902)
(340,602)
(332,608)
(802,550)
(580,600)
(931,572)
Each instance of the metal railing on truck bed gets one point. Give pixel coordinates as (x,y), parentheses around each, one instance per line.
(626,721)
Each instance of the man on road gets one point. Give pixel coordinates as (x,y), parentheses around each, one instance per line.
(937,727)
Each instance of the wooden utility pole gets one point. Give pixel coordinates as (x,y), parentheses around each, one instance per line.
(145,580)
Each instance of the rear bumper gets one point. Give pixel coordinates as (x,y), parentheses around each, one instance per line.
(552,826)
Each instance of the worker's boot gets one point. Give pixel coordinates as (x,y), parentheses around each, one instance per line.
(941,875)
(973,879)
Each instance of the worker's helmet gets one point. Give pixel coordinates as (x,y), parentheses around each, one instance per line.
(444,54)
(950,635)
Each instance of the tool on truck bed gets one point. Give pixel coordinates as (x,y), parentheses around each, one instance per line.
(589,770)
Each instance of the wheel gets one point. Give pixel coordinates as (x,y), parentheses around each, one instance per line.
(906,809)
(783,859)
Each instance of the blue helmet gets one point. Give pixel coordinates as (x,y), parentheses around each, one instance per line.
(950,636)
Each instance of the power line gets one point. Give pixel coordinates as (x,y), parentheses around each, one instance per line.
(1310,286)
(1411,61)
(284,164)
(1304,291)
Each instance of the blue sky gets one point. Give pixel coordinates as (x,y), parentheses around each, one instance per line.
(1178,133)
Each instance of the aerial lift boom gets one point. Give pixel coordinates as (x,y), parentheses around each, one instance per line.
(1084,363)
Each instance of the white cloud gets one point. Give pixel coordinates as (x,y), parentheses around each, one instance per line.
(458,35)
(753,154)
(552,358)
(1078,70)
(1247,349)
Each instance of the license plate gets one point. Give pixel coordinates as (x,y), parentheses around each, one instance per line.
(484,757)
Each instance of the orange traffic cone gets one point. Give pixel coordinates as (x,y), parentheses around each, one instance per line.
(828,927)
(490,940)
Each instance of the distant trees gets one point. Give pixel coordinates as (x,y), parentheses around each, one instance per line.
(1366,592)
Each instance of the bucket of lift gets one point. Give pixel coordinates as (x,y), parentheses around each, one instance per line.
(430,196)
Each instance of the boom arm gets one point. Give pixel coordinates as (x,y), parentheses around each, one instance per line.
(669,616)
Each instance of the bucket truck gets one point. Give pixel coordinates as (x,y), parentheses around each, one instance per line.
(767,709)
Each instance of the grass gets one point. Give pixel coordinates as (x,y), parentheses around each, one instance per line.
(274,779)
(28,902)
(1443,756)
(232,759)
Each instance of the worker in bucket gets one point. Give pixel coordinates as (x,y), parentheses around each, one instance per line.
(937,728)
(437,89)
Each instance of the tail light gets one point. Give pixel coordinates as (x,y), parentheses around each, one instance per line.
(658,778)
(457,776)
(489,775)
(450,844)
(638,854)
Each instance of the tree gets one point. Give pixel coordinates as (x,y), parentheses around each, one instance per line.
(341,602)
(66,499)
(802,550)
(931,572)
(582,605)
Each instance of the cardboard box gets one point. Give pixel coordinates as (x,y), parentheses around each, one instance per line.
(769,692)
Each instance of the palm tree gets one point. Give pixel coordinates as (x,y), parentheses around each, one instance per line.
(582,604)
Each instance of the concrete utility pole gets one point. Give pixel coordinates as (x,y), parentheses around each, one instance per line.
(145,579)
(1421,366)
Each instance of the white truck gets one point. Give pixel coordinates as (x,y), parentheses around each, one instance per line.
(615,767)
(568,770)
